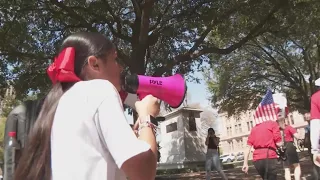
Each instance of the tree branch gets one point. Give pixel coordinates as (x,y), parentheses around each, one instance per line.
(276,64)
(145,21)
(282,52)
(114,16)
(137,8)
(253,33)
(98,18)
(73,14)
(18,55)
(268,78)
(164,24)
(160,17)
(194,53)
(124,58)
(140,36)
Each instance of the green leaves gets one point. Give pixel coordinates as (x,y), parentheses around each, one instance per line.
(287,60)
(153,37)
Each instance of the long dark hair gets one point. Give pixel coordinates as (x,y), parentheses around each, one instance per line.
(211,129)
(35,163)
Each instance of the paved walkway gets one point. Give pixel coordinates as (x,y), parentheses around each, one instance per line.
(237,174)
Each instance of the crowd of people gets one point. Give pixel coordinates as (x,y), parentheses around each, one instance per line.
(268,139)
(265,138)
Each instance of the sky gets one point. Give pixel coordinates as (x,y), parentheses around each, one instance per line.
(198,92)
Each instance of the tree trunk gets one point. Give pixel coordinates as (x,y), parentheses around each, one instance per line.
(140,36)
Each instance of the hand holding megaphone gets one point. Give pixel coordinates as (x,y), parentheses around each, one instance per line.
(148,106)
(131,100)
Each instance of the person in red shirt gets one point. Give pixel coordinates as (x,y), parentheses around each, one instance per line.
(264,138)
(315,168)
(315,124)
(289,133)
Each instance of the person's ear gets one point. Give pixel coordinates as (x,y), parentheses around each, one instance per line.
(93,63)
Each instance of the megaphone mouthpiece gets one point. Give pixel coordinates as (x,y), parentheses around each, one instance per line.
(131,83)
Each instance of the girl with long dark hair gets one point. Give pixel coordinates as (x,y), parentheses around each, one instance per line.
(212,156)
(81,132)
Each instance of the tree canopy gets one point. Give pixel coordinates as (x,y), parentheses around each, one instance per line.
(153,37)
(286,60)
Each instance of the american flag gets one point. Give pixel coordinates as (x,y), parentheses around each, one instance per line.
(266,111)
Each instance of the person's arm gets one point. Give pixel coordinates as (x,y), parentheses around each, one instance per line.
(136,157)
(207,140)
(247,151)
(296,135)
(276,134)
(314,126)
(294,132)
(246,154)
(147,134)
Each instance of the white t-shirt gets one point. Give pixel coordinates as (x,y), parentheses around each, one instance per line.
(91,138)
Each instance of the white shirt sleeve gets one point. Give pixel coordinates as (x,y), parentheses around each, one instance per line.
(116,133)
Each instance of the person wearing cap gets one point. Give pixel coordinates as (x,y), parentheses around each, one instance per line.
(264,138)
(212,157)
(315,123)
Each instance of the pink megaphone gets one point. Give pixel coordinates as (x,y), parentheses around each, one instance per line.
(171,89)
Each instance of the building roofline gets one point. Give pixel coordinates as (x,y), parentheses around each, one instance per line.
(181,109)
